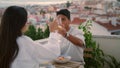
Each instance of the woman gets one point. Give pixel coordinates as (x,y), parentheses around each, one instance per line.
(18,50)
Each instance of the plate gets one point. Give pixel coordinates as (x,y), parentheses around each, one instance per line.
(63,59)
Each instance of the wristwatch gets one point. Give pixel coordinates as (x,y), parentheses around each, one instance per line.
(67,34)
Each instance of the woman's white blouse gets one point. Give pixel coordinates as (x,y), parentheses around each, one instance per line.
(32,54)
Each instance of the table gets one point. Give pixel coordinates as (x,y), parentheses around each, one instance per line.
(70,64)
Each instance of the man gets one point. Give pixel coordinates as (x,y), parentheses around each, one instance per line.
(73,42)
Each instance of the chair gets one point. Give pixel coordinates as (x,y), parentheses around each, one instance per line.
(87,52)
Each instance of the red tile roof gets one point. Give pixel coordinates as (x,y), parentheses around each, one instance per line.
(78,21)
(109,26)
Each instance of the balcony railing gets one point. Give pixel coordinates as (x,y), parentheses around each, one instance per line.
(109,44)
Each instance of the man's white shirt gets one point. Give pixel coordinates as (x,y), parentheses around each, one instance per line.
(68,48)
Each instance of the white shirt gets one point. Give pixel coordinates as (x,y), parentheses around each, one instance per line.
(32,54)
(68,48)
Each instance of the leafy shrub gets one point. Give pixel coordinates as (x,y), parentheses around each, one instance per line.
(99,59)
(37,34)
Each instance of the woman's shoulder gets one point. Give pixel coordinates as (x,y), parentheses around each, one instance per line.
(24,38)
(26,42)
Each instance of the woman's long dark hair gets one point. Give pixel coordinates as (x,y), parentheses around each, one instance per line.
(13,20)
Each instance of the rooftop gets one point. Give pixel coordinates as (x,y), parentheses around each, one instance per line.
(109,26)
(77,21)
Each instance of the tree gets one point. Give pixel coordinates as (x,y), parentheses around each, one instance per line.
(39,34)
(68,4)
(46,32)
(42,11)
(118,0)
(31,32)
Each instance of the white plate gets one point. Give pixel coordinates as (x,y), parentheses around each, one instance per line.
(63,59)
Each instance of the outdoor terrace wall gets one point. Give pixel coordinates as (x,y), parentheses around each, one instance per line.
(109,44)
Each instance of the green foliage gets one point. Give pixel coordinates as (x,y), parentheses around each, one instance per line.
(37,34)
(42,11)
(31,32)
(118,0)
(112,62)
(68,4)
(87,33)
(97,60)
(46,32)
(88,8)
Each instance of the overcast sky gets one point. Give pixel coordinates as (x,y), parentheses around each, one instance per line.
(35,0)
(41,2)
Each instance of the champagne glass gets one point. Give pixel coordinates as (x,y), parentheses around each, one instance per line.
(59,21)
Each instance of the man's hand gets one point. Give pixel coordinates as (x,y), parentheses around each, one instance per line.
(62,31)
(54,27)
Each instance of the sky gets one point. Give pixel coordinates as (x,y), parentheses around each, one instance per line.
(41,2)
(4,3)
(36,0)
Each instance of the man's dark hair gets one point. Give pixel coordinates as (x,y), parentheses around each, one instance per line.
(65,12)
